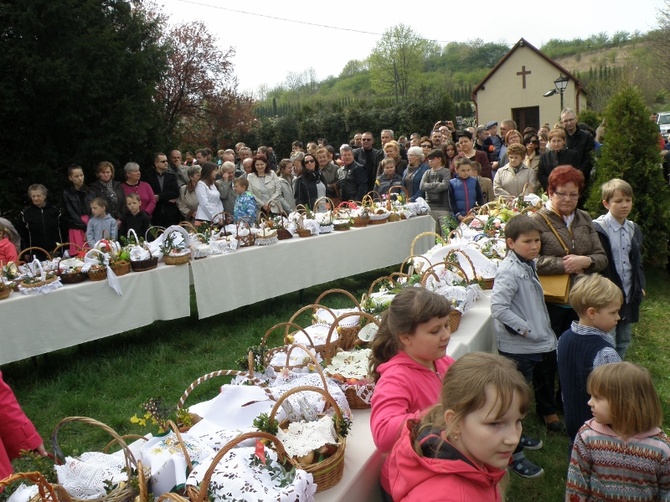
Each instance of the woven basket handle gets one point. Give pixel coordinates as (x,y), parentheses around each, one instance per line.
(131,233)
(60,457)
(431,271)
(306,388)
(313,306)
(338,291)
(438,238)
(455,252)
(36,248)
(279,448)
(305,349)
(45,489)
(218,373)
(285,324)
(362,314)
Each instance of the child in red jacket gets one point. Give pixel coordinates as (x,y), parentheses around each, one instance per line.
(8,250)
(17,432)
(460,450)
(408,363)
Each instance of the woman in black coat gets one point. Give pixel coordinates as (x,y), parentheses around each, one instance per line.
(556,155)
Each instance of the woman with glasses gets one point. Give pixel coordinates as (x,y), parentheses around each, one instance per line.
(532,144)
(311,185)
(557,155)
(426,145)
(570,245)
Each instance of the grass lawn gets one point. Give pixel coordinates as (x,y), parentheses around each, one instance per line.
(109,379)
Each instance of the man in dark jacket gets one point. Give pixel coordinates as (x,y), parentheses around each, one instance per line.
(166,190)
(369,158)
(579,141)
(351,177)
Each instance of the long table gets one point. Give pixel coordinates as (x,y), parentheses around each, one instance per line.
(249,275)
(362,460)
(79,313)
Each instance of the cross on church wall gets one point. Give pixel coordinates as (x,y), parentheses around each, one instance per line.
(523,74)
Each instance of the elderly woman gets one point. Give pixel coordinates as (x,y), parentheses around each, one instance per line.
(511,138)
(557,155)
(264,184)
(392,151)
(141,188)
(570,245)
(514,178)
(416,167)
(188,199)
(110,189)
(210,206)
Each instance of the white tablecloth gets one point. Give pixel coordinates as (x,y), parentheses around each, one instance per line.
(249,275)
(79,313)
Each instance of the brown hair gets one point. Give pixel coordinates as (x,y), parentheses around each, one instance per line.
(516,149)
(629,390)
(409,308)
(104,165)
(242,181)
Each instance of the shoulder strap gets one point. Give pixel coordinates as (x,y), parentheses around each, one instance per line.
(565,248)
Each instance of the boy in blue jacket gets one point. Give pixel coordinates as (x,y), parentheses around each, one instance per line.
(464,190)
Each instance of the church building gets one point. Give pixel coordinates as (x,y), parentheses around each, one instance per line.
(528,87)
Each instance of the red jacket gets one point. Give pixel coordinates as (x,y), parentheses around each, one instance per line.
(404,390)
(17,432)
(453,479)
(7,251)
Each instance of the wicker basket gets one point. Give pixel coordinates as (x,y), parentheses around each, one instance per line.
(4,292)
(97,274)
(354,400)
(454,319)
(249,239)
(144,265)
(219,373)
(121,268)
(328,472)
(71,277)
(347,335)
(304,232)
(437,237)
(177,259)
(201,493)
(326,350)
(35,248)
(45,490)
(123,492)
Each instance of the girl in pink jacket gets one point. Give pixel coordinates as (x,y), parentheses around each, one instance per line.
(408,364)
(458,452)
(17,432)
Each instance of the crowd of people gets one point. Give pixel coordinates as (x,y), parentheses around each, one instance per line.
(448,425)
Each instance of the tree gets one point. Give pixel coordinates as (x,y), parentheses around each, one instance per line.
(77,85)
(397,60)
(630,151)
(196,75)
(660,42)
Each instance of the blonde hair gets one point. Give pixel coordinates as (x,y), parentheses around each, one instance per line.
(464,390)
(593,291)
(609,188)
(629,390)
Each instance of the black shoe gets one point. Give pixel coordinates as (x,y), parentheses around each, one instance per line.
(526,469)
(529,443)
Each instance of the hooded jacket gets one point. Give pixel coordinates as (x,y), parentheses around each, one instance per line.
(404,390)
(441,473)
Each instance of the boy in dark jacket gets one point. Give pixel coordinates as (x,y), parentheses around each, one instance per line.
(622,241)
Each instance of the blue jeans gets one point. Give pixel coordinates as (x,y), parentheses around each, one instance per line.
(622,337)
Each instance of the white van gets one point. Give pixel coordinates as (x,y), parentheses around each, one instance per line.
(664,123)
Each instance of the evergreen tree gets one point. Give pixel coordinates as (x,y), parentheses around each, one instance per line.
(630,152)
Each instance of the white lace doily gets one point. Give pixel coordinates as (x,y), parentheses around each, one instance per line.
(323,316)
(303,437)
(310,402)
(238,477)
(87,476)
(298,357)
(350,364)
(317,332)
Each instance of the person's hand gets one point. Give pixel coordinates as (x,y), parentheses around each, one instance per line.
(156,197)
(574,264)
(41,450)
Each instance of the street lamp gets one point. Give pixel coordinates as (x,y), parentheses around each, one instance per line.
(561,83)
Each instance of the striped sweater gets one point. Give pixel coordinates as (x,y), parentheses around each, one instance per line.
(604,467)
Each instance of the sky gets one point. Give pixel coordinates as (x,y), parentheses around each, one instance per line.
(274,38)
